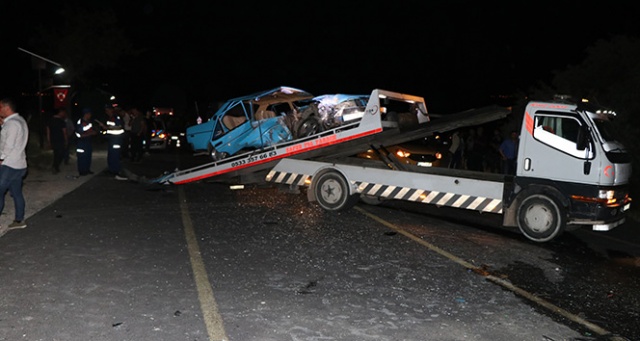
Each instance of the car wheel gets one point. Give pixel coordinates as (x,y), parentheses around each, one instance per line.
(215,155)
(308,126)
(540,218)
(332,193)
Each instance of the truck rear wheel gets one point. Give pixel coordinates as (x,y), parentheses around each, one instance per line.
(540,218)
(331,191)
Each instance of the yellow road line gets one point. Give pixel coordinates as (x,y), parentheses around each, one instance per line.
(212,318)
(550,306)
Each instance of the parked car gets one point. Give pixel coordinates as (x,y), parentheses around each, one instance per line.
(428,152)
(159,135)
(160,111)
(175,128)
(166,132)
(329,111)
(248,122)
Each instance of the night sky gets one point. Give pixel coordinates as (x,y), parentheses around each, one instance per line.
(456,54)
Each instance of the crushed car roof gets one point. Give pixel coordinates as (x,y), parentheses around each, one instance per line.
(338,98)
(279,94)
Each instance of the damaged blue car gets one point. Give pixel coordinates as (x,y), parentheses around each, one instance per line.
(247,123)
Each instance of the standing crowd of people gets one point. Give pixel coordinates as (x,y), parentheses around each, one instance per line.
(126,131)
(472,149)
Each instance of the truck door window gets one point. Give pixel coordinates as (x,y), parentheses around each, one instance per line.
(561,133)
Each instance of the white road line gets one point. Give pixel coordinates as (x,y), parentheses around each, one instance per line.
(541,302)
(212,318)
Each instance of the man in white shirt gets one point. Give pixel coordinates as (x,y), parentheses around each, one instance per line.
(13,159)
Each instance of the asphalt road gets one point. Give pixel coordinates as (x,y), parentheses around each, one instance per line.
(127,260)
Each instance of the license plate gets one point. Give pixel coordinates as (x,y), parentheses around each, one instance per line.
(425,164)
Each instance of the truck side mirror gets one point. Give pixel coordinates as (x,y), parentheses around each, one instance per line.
(583,138)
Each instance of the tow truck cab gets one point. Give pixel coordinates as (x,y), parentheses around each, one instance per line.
(568,152)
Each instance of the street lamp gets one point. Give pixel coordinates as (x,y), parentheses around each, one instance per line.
(41,66)
(59,70)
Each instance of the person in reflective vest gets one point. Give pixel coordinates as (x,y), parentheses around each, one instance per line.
(114,130)
(84,132)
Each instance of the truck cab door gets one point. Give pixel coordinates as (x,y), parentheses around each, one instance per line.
(554,146)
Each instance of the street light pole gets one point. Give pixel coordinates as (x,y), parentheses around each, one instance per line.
(58,71)
(41,67)
(40,92)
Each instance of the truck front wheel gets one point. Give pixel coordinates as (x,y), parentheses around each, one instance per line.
(540,218)
(332,192)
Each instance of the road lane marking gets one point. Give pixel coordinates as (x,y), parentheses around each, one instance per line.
(212,318)
(523,293)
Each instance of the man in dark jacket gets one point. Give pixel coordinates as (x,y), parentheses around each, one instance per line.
(138,132)
(58,138)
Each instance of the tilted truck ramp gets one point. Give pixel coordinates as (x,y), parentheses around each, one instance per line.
(377,127)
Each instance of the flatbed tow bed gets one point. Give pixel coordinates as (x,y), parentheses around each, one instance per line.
(349,139)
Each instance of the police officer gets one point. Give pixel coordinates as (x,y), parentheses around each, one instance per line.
(84,149)
(114,129)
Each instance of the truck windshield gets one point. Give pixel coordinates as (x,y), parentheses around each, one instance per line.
(607,132)
(606,129)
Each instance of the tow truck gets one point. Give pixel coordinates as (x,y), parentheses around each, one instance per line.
(571,172)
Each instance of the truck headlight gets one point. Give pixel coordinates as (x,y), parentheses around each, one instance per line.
(606,194)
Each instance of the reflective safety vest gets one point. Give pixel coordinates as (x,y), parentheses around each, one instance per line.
(82,127)
(114,126)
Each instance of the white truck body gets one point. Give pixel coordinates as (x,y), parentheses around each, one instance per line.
(570,172)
